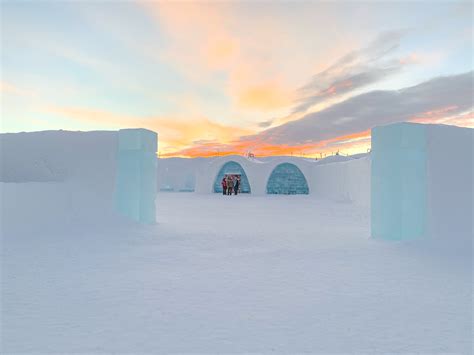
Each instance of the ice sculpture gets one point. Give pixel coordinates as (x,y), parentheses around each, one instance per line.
(287,179)
(135,189)
(398,181)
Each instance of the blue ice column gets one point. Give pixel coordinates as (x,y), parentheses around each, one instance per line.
(135,188)
(398,181)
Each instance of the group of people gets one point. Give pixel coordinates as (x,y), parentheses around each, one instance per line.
(230,184)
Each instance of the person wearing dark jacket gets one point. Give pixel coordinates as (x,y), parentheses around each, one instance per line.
(236,185)
(224,186)
(230,185)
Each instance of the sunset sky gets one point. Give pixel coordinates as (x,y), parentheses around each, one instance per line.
(236,77)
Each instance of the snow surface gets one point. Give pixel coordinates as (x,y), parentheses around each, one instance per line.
(223,274)
(227,274)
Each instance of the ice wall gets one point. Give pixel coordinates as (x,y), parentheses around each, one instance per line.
(345,181)
(136,179)
(421,182)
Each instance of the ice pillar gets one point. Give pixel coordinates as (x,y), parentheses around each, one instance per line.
(398,181)
(135,189)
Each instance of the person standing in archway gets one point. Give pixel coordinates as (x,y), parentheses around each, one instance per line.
(236,185)
(224,185)
(230,185)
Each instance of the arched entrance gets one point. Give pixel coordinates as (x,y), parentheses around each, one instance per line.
(287,179)
(233,168)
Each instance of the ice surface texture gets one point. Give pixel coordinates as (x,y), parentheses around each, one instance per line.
(287,179)
(136,174)
(399,181)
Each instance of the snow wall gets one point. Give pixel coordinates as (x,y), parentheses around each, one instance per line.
(422,182)
(345,181)
(58,177)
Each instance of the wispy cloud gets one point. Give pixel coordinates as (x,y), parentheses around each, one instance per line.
(367,110)
(353,71)
(346,125)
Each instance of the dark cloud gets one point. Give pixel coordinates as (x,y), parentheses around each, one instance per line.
(374,108)
(265,124)
(353,71)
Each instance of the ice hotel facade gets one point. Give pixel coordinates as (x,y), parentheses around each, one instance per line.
(339,178)
(416,183)
(279,176)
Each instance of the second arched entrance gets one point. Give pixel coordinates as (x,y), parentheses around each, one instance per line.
(287,179)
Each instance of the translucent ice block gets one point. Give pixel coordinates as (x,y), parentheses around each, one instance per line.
(398,181)
(136,174)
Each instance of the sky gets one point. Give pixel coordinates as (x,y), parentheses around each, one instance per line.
(305,78)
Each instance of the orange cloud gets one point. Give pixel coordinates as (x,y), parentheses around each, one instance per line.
(200,40)
(205,39)
(445,115)
(266,97)
(201,137)
(175,133)
(348,144)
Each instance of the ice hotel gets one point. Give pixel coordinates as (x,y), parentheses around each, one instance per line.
(410,180)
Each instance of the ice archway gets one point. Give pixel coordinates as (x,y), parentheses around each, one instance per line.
(232,167)
(287,179)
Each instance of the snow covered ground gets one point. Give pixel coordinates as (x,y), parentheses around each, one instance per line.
(245,274)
